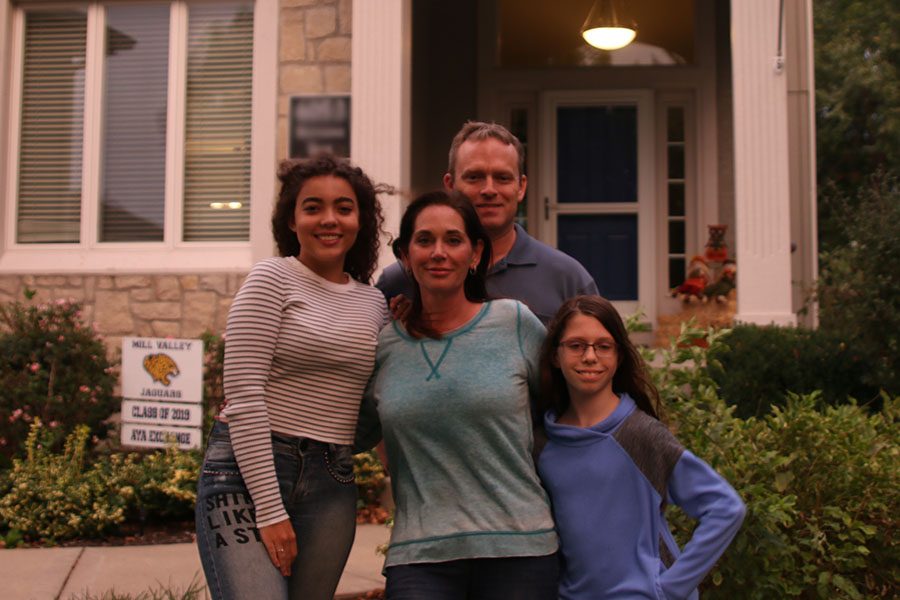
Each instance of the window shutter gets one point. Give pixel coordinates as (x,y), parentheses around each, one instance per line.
(132,201)
(52,127)
(217,122)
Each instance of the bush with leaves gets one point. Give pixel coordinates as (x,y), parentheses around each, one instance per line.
(164,483)
(371,481)
(370,478)
(755,367)
(54,368)
(58,496)
(52,496)
(821,484)
(213,378)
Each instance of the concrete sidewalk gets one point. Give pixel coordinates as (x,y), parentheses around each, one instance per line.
(60,573)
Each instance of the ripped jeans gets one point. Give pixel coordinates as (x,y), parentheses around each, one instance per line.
(319,495)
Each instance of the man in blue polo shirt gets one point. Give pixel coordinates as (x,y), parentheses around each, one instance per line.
(486,164)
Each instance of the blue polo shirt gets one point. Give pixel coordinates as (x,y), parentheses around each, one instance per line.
(533,273)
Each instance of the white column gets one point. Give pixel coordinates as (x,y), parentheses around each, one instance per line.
(380,117)
(265,125)
(762,201)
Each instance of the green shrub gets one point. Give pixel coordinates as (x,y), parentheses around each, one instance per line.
(756,366)
(58,496)
(164,483)
(213,378)
(370,478)
(55,496)
(54,368)
(822,487)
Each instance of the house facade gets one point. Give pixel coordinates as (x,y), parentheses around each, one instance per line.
(139,140)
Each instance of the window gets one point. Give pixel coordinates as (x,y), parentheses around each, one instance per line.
(135,124)
(675,191)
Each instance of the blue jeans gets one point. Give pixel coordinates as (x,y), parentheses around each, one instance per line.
(514,578)
(319,495)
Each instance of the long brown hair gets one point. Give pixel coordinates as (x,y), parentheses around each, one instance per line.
(631,373)
(474,285)
(362,258)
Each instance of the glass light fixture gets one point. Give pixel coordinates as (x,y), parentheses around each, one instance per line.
(605,29)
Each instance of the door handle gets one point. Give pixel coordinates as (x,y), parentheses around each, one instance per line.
(546,208)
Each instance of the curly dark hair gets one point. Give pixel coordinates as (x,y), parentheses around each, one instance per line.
(631,373)
(362,258)
(474,284)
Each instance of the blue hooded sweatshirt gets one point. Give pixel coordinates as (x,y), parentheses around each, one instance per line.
(609,485)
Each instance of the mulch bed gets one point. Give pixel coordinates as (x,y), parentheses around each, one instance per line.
(130,534)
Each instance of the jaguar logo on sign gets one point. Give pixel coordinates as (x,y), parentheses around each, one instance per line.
(161,367)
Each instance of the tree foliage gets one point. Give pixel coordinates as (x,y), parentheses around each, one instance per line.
(857,69)
(859,282)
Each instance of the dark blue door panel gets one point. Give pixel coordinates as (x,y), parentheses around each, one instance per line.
(596,154)
(607,246)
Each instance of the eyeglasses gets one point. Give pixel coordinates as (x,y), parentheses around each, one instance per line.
(603,349)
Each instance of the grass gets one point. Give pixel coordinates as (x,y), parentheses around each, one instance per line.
(194,591)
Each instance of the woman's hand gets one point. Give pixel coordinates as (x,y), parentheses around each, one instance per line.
(281,544)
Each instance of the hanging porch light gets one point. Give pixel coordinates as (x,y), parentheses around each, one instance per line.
(605,29)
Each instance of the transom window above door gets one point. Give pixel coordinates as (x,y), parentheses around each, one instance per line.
(134,123)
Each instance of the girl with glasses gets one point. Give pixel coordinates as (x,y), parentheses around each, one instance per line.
(611,467)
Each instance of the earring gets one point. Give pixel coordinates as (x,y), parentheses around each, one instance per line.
(471,270)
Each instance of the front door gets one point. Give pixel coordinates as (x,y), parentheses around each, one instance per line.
(597,189)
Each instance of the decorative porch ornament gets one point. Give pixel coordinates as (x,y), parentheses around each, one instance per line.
(698,276)
(722,286)
(605,29)
(716,250)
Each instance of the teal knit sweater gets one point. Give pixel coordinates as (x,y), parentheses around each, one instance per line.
(456,420)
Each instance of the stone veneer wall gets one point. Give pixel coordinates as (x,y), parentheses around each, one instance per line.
(313,54)
(181,306)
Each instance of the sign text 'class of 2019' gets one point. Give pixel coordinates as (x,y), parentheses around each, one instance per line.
(162,391)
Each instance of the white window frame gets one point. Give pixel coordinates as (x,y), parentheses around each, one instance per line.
(693,228)
(172,254)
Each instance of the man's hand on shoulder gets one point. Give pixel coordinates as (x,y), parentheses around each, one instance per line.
(400,306)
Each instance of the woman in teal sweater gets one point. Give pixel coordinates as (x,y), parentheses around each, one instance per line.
(451,393)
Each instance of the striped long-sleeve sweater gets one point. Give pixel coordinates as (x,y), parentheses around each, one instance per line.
(299,351)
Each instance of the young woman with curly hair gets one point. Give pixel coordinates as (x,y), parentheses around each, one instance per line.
(276,503)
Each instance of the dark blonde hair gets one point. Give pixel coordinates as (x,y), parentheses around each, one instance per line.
(362,258)
(631,373)
(479,131)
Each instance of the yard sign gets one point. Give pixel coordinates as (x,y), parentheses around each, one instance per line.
(162,391)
